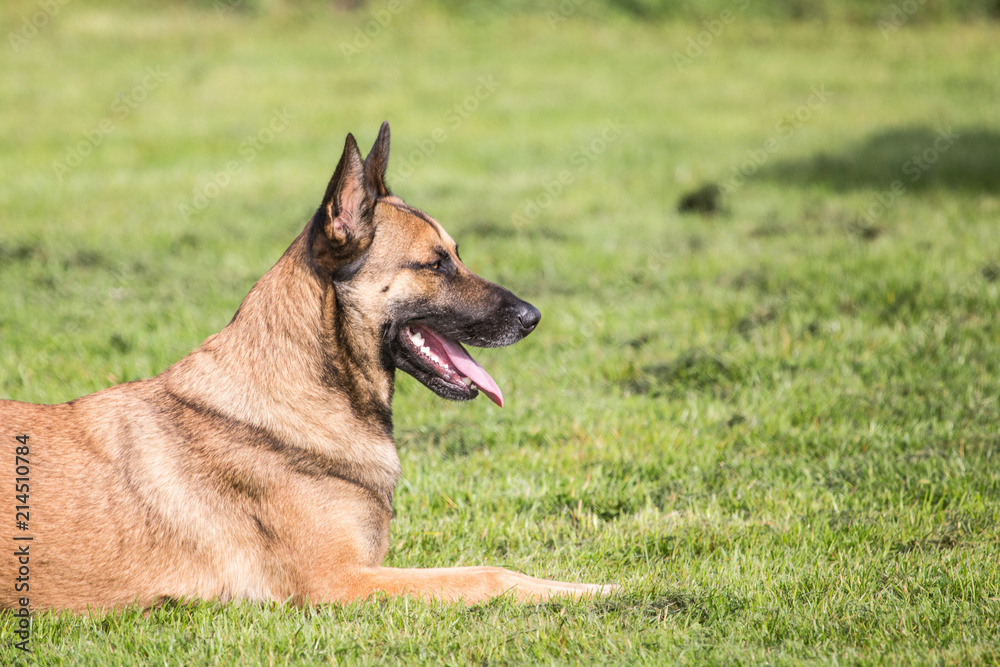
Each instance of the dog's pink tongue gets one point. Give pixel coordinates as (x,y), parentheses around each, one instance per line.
(468,367)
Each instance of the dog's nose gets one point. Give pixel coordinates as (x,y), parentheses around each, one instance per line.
(528,318)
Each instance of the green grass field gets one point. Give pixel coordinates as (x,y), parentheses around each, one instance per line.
(776,426)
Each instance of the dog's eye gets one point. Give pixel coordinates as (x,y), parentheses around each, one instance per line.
(436,265)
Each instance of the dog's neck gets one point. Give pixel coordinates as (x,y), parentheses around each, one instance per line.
(295,360)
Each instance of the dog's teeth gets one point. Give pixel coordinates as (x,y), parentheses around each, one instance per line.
(467,381)
(418,340)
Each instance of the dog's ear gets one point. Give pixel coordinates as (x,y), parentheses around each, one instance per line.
(378,161)
(347,206)
(343,226)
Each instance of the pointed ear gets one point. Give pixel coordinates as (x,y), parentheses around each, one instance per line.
(345,215)
(378,161)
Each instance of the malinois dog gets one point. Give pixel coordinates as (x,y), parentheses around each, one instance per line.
(262,465)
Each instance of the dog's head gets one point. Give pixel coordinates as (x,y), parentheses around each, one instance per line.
(398,274)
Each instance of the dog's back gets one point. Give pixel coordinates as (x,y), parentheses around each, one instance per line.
(132,494)
(79,523)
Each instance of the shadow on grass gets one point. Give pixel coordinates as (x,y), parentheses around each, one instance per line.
(694,370)
(922,158)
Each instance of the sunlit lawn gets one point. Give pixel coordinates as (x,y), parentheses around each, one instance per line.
(776,425)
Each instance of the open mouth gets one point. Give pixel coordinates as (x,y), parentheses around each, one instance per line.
(447,362)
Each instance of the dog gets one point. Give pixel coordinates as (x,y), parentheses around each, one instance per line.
(262,466)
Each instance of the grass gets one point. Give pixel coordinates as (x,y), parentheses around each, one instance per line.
(776,426)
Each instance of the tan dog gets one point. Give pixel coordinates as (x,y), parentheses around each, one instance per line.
(262,465)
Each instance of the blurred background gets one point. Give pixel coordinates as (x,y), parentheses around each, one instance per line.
(763,237)
(619,151)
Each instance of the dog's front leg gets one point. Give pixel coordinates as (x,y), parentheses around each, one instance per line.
(468,584)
